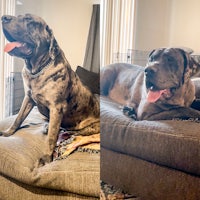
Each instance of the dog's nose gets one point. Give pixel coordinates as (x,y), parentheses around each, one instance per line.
(6,18)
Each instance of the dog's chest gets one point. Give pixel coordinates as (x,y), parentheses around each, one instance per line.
(47,89)
(42,96)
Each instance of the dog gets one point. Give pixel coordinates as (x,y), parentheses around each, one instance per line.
(162,90)
(50,82)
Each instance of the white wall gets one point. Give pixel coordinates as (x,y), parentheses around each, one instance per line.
(69,20)
(185,24)
(152,24)
(167,23)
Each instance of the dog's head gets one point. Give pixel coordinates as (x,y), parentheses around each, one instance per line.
(28,35)
(166,71)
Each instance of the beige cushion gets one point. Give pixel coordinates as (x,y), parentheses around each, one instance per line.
(171,143)
(147,180)
(19,153)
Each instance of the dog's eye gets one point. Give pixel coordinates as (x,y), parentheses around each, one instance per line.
(170,59)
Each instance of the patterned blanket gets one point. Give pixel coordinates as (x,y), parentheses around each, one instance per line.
(68,143)
(109,192)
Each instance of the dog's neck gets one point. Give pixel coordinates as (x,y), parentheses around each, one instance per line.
(42,60)
(36,68)
(39,70)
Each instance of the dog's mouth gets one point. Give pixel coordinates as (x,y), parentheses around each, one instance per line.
(19,48)
(154,94)
(22,47)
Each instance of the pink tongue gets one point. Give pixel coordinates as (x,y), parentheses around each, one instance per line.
(10,46)
(153,96)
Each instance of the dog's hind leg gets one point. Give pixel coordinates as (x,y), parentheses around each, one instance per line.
(25,109)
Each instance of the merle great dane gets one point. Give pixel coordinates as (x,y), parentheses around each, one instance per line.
(162,90)
(50,82)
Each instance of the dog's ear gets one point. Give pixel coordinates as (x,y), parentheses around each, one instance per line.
(191,67)
(158,51)
(53,48)
(195,66)
(150,54)
(186,57)
(150,57)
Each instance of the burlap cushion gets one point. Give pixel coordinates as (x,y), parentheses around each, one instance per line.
(171,143)
(19,153)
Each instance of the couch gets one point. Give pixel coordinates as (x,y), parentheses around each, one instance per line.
(154,160)
(74,177)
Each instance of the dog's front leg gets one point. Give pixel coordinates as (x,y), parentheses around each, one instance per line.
(25,109)
(56,116)
(129,111)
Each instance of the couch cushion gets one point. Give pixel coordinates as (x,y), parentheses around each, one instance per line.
(171,143)
(147,180)
(19,153)
(15,190)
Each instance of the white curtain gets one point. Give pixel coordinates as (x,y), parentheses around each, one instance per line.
(6,61)
(117,29)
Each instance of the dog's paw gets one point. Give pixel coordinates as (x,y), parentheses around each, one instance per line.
(44,160)
(6,133)
(129,111)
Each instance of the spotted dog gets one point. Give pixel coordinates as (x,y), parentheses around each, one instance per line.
(50,82)
(162,90)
